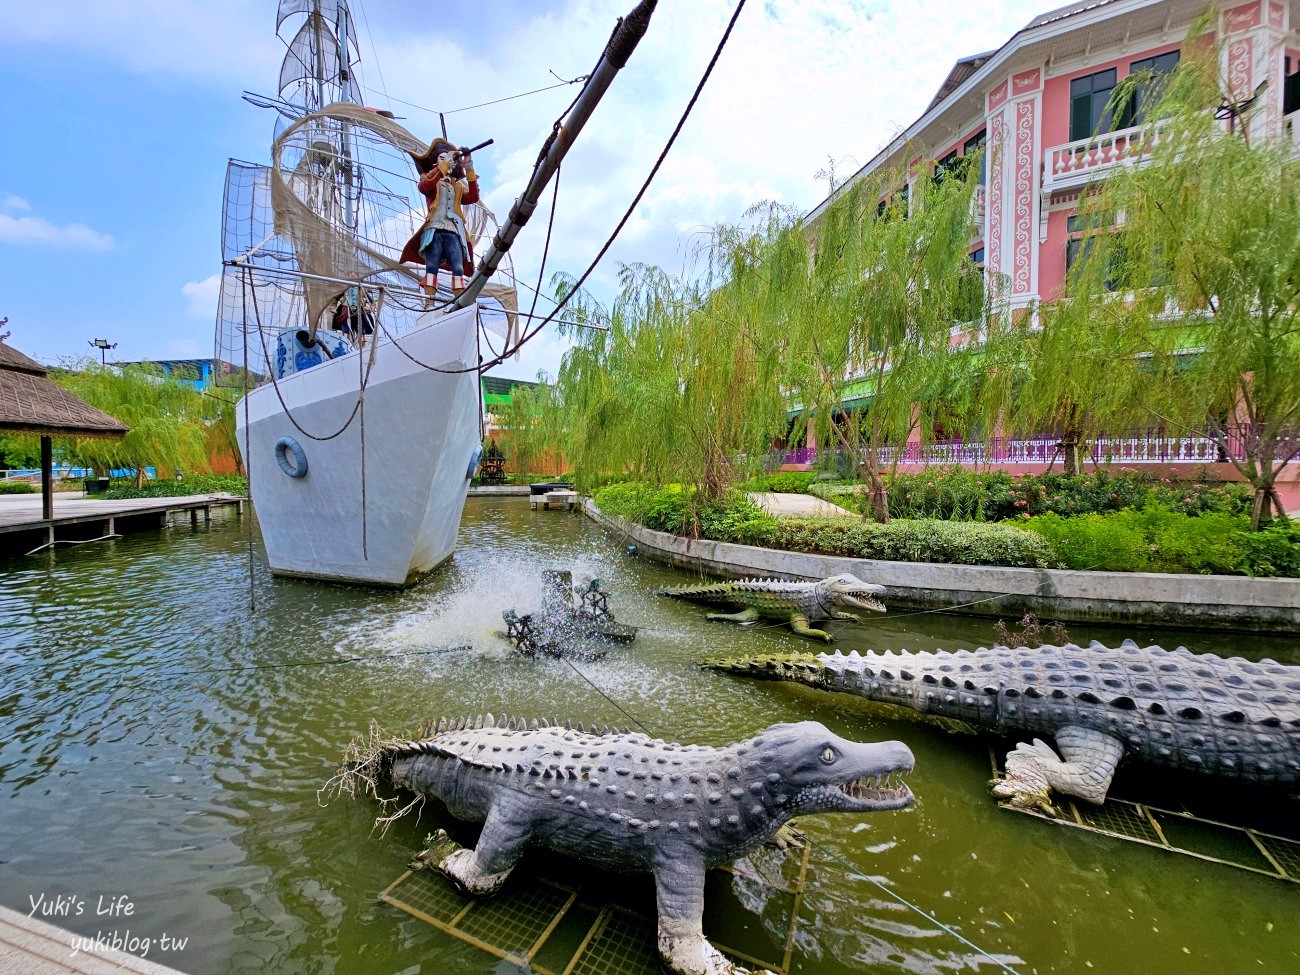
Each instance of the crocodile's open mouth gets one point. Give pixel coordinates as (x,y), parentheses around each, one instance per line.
(862,601)
(887,791)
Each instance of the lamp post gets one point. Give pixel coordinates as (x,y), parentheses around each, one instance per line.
(103,346)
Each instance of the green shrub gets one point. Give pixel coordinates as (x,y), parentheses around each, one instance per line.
(957,494)
(17,487)
(848,496)
(1274,551)
(735,518)
(673,508)
(787,482)
(175,488)
(952,494)
(791,482)
(1093,542)
(961,543)
(1156,539)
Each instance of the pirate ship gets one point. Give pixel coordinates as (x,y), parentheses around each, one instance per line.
(360,427)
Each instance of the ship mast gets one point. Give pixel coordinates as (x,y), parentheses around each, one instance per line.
(621,44)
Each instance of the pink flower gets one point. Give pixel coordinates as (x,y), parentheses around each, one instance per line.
(1187,500)
(930,484)
(1021,502)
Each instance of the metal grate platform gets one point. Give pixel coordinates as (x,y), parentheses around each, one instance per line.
(590,925)
(1183,832)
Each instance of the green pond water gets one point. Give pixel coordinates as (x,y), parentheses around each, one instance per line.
(137,758)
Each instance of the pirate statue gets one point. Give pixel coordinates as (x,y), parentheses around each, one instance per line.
(448,182)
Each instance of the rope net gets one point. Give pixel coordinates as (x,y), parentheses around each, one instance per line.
(332,211)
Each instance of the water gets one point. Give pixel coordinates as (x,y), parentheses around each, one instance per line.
(136,759)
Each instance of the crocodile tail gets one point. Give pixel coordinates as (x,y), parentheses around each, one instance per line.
(717,593)
(802,668)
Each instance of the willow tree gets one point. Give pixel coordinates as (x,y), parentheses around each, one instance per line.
(528,437)
(677,387)
(1190,279)
(1080,369)
(167,417)
(871,316)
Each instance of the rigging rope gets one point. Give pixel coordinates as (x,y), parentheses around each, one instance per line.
(609,242)
(266,352)
(467,108)
(699,88)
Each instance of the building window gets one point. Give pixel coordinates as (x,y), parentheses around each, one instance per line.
(970,289)
(1148,90)
(1291,88)
(1083,232)
(950,165)
(1088,104)
(973,145)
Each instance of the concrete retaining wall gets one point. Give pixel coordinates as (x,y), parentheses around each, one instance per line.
(499,490)
(1141,599)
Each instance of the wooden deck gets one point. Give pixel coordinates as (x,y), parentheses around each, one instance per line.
(32,947)
(77,520)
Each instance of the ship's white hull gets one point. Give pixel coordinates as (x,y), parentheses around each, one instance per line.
(421,433)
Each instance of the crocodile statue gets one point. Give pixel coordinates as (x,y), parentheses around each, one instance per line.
(629,802)
(796,603)
(1227,717)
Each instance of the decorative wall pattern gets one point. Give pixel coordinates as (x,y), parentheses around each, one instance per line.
(1241,18)
(993,254)
(1022,241)
(997,96)
(1241,55)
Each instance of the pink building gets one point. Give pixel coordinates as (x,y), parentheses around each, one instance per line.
(1038,104)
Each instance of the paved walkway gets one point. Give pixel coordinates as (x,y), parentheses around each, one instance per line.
(32,947)
(778,504)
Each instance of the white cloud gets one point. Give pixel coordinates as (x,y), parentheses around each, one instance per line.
(201,296)
(800,80)
(42,233)
(216,42)
(12,202)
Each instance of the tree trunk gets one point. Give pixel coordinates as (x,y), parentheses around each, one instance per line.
(1261,509)
(879,494)
(880,501)
(1070,451)
(139,476)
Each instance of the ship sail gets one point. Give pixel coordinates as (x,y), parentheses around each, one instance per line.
(366,372)
(332,209)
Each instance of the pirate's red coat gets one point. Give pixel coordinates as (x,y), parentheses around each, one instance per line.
(431,184)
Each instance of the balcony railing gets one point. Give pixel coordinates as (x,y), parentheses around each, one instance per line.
(1085,160)
(1136,449)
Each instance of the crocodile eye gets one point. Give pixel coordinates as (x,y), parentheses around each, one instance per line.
(828,755)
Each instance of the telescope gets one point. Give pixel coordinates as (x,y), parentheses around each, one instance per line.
(473,149)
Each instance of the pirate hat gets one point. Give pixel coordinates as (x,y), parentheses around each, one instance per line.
(426,161)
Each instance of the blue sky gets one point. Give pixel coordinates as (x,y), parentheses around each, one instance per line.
(119,118)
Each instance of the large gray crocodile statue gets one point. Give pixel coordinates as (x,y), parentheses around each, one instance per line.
(796,603)
(1227,717)
(630,802)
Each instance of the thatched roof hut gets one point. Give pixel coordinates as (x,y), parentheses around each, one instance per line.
(30,403)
